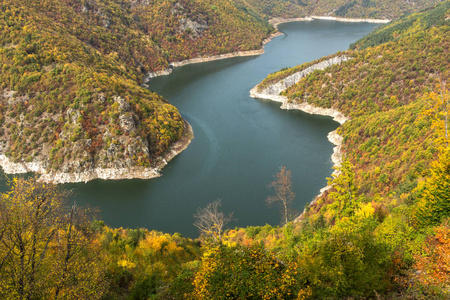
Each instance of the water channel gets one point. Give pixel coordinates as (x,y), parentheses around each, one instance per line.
(240,143)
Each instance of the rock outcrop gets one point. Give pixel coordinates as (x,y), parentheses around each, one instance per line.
(273,91)
(90,172)
(280,86)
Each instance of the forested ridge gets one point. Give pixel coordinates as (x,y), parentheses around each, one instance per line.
(384,89)
(372,9)
(381,231)
(392,186)
(73,70)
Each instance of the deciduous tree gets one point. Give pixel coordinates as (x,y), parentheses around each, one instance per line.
(211,221)
(46,251)
(284,195)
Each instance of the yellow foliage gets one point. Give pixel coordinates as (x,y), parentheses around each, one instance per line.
(365,211)
(124,263)
(158,243)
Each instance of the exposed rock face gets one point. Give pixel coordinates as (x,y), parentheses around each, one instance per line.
(289,81)
(195,28)
(73,115)
(127,117)
(127,122)
(70,171)
(67,147)
(272,92)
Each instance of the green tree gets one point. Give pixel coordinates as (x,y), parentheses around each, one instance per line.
(349,261)
(45,250)
(439,113)
(344,191)
(240,272)
(433,202)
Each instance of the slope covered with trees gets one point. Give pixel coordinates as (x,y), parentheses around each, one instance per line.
(73,69)
(385,89)
(380,231)
(373,9)
(391,193)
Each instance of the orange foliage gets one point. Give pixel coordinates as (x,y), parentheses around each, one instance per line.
(433,265)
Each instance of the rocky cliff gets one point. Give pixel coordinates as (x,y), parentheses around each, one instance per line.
(272,92)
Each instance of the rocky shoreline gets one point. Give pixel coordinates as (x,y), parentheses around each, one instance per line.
(276,21)
(210,58)
(10,167)
(273,91)
(351,20)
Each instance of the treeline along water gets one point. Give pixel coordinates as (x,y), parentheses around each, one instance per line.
(240,143)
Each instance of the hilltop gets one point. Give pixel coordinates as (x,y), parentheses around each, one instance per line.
(71,97)
(361,9)
(380,231)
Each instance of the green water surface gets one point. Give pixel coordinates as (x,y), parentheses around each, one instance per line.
(240,143)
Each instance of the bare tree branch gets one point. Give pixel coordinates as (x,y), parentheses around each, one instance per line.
(284,196)
(211,221)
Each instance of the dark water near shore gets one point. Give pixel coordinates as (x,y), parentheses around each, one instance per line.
(240,143)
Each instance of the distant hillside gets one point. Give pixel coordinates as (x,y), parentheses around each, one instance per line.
(433,16)
(374,9)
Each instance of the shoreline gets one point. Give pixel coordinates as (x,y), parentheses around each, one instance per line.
(100,173)
(273,94)
(274,22)
(352,20)
(177,147)
(203,59)
(333,137)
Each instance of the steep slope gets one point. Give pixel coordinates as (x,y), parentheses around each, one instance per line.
(383,90)
(381,229)
(73,69)
(373,235)
(71,101)
(374,9)
(433,16)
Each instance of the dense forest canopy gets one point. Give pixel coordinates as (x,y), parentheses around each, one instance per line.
(374,9)
(73,70)
(70,88)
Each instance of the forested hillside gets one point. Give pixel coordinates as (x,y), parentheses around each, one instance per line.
(377,86)
(392,188)
(374,9)
(73,69)
(380,232)
(434,16)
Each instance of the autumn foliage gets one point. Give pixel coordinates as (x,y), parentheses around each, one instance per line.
(381,230)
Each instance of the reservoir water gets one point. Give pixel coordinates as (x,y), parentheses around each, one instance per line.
(240,143)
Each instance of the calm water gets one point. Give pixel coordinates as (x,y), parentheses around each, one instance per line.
(240,143)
